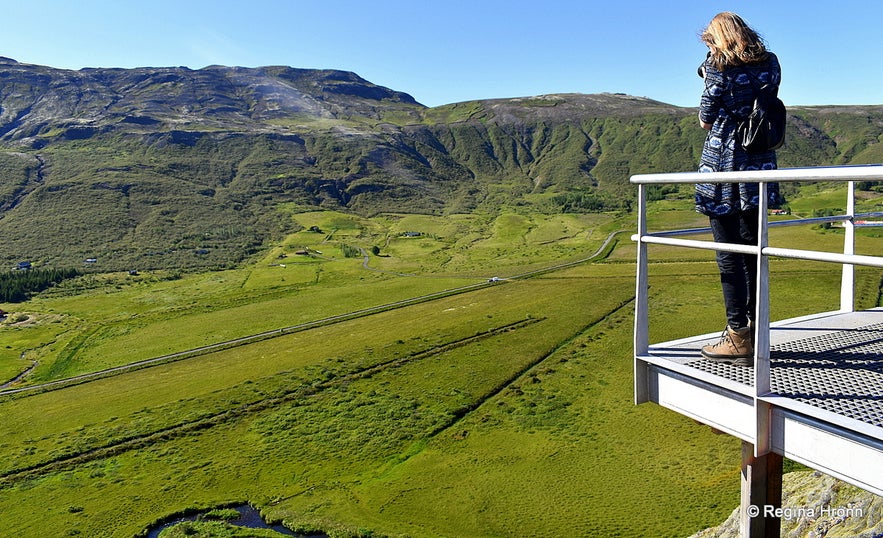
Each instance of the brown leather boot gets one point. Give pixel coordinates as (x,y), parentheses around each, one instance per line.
(734,347)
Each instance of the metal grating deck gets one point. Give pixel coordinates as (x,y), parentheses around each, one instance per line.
(824,408)
(840,371)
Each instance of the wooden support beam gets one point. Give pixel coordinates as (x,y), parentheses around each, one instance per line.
(761,494)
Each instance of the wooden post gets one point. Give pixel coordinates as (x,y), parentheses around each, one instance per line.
(761,494)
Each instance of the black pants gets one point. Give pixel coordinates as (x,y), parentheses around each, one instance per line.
(738,271)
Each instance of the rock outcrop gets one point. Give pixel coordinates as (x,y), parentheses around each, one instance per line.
(815,505)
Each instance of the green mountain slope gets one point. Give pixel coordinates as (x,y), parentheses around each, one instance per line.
(172,167)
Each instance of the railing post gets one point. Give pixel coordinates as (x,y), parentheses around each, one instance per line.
(762,329)
(847,280)
(642,311)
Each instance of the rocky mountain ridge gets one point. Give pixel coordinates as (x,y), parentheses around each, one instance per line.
(35,98)
(146,165)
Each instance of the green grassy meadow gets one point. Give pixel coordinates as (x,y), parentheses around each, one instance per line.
(501,409)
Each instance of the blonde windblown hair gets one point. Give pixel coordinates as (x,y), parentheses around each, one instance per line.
(732,42)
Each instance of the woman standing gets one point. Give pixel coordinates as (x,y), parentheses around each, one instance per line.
(736,67)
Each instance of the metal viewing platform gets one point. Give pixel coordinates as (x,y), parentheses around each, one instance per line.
(815,393)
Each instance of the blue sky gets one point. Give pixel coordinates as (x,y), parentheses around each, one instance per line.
(446,51)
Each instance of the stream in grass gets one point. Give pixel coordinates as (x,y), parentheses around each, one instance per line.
(249,517)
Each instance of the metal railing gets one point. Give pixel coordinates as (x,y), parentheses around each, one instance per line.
(848,259)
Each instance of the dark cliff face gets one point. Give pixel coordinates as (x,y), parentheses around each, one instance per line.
(153,164)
